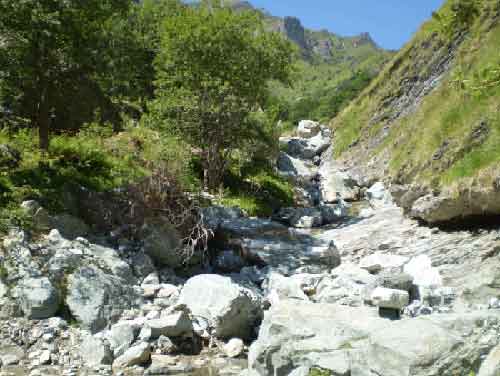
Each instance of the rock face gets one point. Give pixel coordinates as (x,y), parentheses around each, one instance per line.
(336,185)
(161,243)
(96,298)
(38,298)
(345,340)
(231,309)
(136,355)
(174,325)
(308,128)
(442,209)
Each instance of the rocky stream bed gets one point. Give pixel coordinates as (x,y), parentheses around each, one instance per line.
(343,284)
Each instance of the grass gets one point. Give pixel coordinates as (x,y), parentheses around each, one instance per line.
(257,189)
(437,144)
(95,159)
(319,372)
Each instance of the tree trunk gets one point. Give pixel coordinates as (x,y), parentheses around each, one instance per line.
(43,123)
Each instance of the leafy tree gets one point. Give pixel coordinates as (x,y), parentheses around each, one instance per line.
(212,75)
(55,57)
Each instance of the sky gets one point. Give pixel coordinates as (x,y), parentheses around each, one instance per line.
(391,23)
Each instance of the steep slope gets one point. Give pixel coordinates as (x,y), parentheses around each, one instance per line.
(431,119)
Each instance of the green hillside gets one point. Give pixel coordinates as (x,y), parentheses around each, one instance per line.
(432,116)
(331,70)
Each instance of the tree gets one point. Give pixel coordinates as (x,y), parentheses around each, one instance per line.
(54,56)
(213,71)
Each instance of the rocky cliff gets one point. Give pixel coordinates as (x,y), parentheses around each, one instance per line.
(427,124)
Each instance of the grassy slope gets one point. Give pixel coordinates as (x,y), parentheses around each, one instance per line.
(439,142)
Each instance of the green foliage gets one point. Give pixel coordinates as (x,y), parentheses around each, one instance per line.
(257,189)
(319,372)
(460,16)
(61,61)
(451,138)
(325,103)
(212,74)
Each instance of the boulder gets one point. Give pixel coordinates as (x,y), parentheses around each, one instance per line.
(136,355)
(142,265)
(378,194)
(337,185)
(279,287)
(300,217)
(95,351)
(343,340)
(213,216)
(234,348)
(70,227)
(378,261)
(348,285)
(297,169)
(308,128)
(161,243)
(229,261)
(473,201)
(390,298)
(307,148)
(38,298)
(295,334)
(120,337)
(395,280)
(423,273)
(177,324)
(231,309)
(96,298)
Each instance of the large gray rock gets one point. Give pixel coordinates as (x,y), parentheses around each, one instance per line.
(95,351)
(177,324)
(476,201)
(38,298)
(295,334)
(348,285)
(279,288)
(344,340)
(69,226)
(231,309)
(307,148)
(136,355)
(161,243)
(423,273)
(308,128)
(120,337)
(336,185)
(213,216)
(297,169)
(378,194)
(96,298)
(310,217)
(300,217)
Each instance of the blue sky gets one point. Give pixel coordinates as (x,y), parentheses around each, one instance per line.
(391,23)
